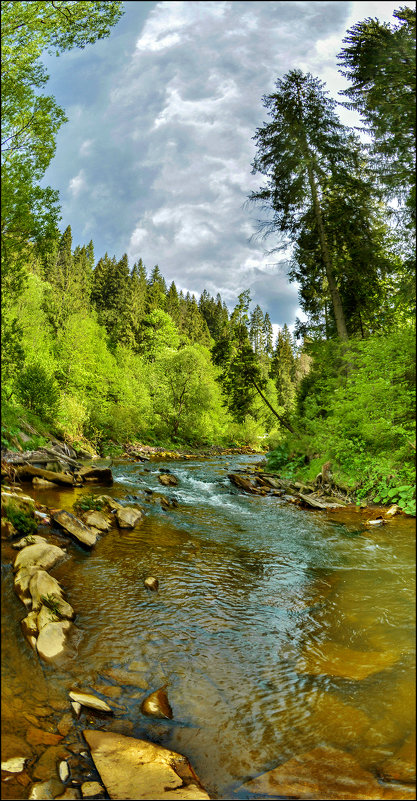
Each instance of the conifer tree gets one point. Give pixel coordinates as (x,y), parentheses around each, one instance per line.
(268,335)
(157,290)
(173,303)
(300,151)
(256,335)
(379,59)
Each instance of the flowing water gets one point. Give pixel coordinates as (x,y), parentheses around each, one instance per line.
(258,601)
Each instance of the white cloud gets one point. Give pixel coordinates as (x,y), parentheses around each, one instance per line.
(176,103)
(77,184)
(86,147)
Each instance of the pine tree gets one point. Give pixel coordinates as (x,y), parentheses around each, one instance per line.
(137,300)
(173,303)
(283,369)
(256,330)
(268,335)
(157,290)
(300,151)
(379,60)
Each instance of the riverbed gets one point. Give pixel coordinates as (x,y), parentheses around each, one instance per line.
(252,590)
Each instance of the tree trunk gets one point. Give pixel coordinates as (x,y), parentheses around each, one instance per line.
(281,419)
(334,292)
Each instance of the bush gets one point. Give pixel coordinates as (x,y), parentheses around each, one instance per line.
(22,522)
(88,503)
(37,390)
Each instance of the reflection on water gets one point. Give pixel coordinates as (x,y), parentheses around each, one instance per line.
(261,614)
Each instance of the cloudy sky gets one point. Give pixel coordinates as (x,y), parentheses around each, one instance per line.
(155,160)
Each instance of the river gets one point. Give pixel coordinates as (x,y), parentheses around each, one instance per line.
(251,592)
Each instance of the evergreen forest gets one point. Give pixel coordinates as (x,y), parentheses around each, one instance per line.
(102,353)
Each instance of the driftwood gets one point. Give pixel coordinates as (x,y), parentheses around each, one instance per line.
(28,471)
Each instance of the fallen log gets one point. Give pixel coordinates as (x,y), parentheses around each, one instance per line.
(28,471)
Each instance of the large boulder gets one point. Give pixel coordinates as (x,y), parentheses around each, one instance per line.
(31,539)
(56,641)
(128,516)
(21,584)
(135,769)
(75,527)
(102,475)
(42,584)
(39,555)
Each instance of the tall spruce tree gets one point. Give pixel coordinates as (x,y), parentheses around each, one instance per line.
(379,59)
(300,151)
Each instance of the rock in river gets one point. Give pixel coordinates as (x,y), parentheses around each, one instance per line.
(335,659)
(98,520)
(168,480)
(151,583)
(40,556)
(55,643)
(127,517)
(90,700)
(76,527)
(134,769)
(323,772)
(156,705)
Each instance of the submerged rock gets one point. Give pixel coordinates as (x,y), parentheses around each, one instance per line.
(46,790)
(75,527)
(321,773)
(63,771)
(338,660)
(43,483)
(90,700)
(402,766)
(156,705)
(151,583)
(135,769)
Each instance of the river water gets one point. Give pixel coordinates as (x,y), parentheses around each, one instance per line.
(257,602)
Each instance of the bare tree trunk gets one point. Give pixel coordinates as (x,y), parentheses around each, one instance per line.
(281,419)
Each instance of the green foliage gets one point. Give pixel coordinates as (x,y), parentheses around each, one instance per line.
(88,502)
(23,523)
(37,390)
(52,603)
(404,496)
(379,61)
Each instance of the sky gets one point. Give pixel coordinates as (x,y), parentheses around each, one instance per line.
(156,158)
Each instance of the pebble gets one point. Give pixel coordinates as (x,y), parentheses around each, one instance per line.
(89,789)
(63,771)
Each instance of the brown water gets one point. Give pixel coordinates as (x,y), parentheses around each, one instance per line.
(258,602)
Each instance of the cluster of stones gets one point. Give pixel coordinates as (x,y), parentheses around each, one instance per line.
(316,496)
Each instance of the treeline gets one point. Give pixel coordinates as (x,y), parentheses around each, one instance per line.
(106,352)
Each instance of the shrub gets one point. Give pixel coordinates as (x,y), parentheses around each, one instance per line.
(22,522)
(37,390)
